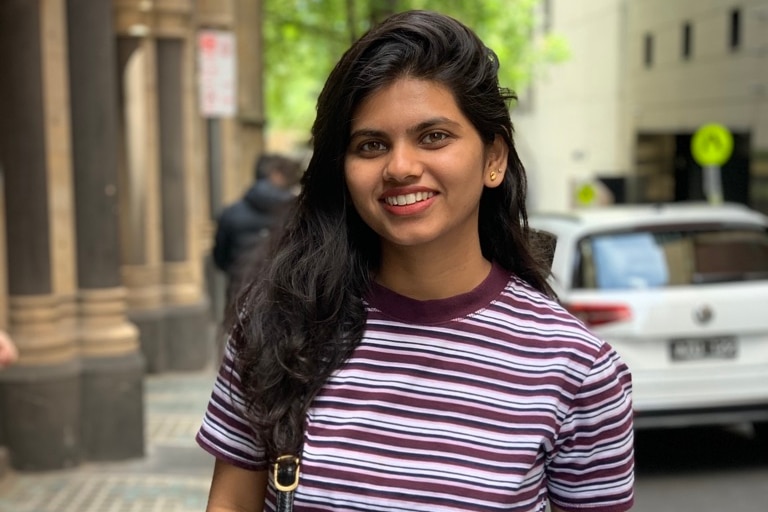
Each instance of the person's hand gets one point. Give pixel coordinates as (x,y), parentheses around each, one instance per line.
(8,352)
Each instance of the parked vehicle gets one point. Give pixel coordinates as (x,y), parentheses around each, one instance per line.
(681,291)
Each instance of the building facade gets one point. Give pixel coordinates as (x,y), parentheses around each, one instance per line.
(644,75)
(111,177)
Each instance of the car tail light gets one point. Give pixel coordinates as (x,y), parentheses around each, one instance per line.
(599,314)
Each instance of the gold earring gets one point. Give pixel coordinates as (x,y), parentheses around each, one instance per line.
(493,175)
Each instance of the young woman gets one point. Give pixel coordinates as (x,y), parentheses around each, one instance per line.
(401,339)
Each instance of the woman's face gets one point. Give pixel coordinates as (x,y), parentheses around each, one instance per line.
(416,166)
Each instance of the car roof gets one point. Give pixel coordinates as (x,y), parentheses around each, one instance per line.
(618,216)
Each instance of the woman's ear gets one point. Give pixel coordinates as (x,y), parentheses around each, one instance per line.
(496,163)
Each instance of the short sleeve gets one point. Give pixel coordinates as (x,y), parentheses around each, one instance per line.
(592,468)
(225,431)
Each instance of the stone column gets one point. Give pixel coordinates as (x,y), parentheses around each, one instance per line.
(40,396)
(141,234)
(188,339)
(160,268)
(250,90)
(113,367)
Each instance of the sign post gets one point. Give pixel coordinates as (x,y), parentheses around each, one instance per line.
(217,89)
(711,147)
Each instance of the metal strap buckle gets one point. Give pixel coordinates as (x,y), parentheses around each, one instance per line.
(285,473)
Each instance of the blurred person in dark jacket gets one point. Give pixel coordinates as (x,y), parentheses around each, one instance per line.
(244,225)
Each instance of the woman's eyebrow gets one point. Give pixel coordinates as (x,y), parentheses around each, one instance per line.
(424,125)
(366,132)
(429,123)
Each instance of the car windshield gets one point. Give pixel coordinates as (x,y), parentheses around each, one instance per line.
(671,257)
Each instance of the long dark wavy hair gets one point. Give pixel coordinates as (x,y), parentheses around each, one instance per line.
(303,313)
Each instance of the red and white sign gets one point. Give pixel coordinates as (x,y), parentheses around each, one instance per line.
(217,73)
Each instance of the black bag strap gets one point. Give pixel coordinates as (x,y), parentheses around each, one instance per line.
(285,477)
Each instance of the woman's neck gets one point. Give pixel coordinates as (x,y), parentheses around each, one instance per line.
(424,274)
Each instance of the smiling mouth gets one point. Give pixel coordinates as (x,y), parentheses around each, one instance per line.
(406,199)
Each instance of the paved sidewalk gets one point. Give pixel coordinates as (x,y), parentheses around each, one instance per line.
(173,476)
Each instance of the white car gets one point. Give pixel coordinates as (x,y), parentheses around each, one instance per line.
(681,292)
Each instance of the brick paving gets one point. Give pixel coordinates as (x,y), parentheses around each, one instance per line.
(173,476)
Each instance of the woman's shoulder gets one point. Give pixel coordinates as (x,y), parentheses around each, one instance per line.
(531,313)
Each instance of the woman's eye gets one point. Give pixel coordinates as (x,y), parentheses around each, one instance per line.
(372,146)
(434,137)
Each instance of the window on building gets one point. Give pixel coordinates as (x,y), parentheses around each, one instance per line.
(735,32)
(687,40)
(648,50)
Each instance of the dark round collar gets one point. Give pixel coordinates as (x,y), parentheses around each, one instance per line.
(438,311)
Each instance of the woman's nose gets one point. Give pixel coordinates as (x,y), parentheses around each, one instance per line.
(403,163)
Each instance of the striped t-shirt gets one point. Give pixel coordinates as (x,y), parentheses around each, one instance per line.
(496,399)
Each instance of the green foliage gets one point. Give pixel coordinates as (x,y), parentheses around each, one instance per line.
(304,39)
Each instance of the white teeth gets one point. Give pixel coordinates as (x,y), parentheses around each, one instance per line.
(408,198)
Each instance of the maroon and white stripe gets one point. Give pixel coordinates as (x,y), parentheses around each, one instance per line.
(493,400)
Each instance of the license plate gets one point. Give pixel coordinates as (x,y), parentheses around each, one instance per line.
(721,347)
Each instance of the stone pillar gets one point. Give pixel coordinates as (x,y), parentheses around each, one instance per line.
(189,341)
(40,396)
(161,174)
(250,89)
(141,235)
(113,367)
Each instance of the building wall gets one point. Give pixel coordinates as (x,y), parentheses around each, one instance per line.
(715,83)
(572,121)
(606,112)
(718,81)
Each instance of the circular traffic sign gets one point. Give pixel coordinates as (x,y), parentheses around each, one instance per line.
(712,144)
(586,194)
